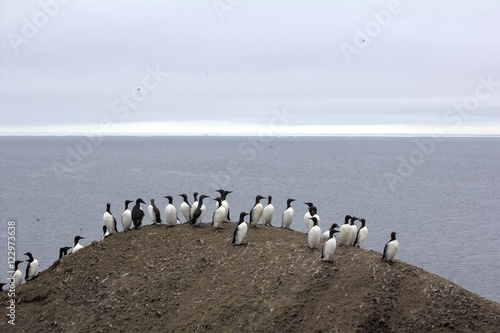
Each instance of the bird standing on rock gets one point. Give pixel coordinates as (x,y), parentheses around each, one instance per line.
(109,220)
(154,212)
(330,245)
(17,277)
(127,216)
(241,230)
(287,217)
(390,249)
(223,196)
(219,214)
(171,217)
(105,232)
(256,212)
(77,246)
(268,212)
(32,268)
(195,204)
(199,213)
(185,207)
(361,235)
(307,216)
(314,234)
(63,251)
(345,232)
(354,231)
(138,213)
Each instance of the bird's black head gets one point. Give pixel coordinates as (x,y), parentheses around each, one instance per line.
(153,201)
(184,196)
(16,263)
(203,196)
(221,191)
(77,238)
(290,200)
(335,225)
(310,204)
(139,201)
(347,218)
(108,205)
(332,232)
(258,198)
(393,235)
(242,216)
(127,202)
(195,195)
(28,254)
(169,197)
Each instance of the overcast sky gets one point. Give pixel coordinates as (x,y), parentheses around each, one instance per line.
(250,66)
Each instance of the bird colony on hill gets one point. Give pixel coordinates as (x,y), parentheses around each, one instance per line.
(348,234)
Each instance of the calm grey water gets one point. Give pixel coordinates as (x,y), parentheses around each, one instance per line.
(442,198)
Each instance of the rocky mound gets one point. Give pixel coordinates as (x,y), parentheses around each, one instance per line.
(185,279)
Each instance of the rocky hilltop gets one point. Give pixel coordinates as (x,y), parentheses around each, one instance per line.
(185,279)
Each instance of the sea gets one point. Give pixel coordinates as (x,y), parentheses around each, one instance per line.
(440,194)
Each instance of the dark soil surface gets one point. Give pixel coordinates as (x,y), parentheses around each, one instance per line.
(185,279)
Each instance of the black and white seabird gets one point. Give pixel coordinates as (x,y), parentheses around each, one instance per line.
(63,251)
(354,231)
(314,213)
(137,213)
(17,276)
(314,234)
(199,213)
(361,235)
(109,220)
(330,245)
(307,216)
(345,231)
(127,217)
(223,196)
(287,216)
(268,212)
(256,212)
(171,217)
(154,213)
(219,214)
(77,246)
(185,207)
(105,232)
(390,249)
(32,268)
(241,230)
(195,204)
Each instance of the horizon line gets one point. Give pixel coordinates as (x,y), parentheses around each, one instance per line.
(464,135)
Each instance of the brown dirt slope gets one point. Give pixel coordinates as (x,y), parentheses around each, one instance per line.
(185,279)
